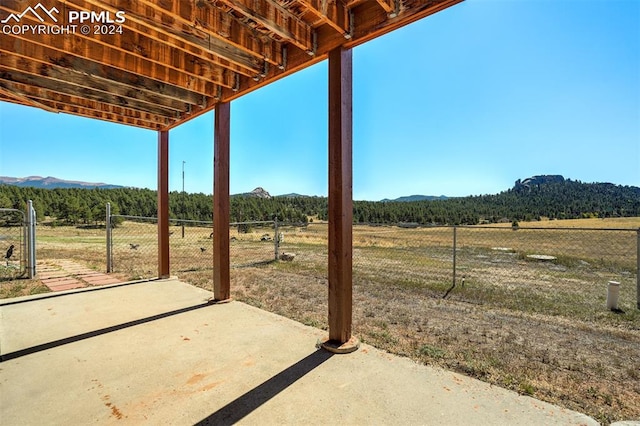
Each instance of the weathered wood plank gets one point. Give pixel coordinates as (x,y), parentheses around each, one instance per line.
(334,13)
(208,19)
(39,54)
(26,65)
(24,99)
(9,78)
(276,19)
(388,5)
(137,64)
(144,48)
(171,29)
(58,102)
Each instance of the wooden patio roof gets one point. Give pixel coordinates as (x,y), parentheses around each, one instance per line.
(158,63)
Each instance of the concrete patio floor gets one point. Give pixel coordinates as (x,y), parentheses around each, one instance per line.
(156,353)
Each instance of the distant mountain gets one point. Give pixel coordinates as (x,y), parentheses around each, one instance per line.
(51,182)
(291,195)
(259,192)
(417,198)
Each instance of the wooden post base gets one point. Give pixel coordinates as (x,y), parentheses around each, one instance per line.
(337,347)
(214,301)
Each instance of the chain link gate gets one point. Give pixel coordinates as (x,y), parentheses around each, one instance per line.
(13,245)
(17,243)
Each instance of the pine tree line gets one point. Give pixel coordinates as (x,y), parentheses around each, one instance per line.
(561,200)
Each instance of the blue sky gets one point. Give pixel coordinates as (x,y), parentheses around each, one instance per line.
(460,103)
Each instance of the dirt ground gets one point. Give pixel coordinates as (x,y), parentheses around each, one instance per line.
(580,365)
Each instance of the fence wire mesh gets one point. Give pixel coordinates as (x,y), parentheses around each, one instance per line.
(307,244)
(551,270)
(536,269)
(494,265)
(546,269)
(13,263)
(134,246)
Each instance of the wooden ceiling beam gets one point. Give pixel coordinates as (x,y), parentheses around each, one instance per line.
(48,98)
(389,6)
(9,79)
(27,65)
(331,12)
(84,55)
(139,48)
(243,50)
(15,100)
(114,117)
(24,100)
(45,55)
(221,26)
(277,20)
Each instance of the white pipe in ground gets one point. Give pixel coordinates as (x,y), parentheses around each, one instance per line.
(613,293)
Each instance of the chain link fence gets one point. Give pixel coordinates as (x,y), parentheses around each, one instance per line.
(535,269)
(546,269)
(13,245)
(134,245)
(549,270)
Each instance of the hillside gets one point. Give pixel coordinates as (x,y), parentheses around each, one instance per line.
(51,182)
(554,199)
(409,198)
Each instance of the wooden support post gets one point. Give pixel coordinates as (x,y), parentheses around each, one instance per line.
(221,279)
(340,202)
(163,204)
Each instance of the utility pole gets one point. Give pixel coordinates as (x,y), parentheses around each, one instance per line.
(183,195)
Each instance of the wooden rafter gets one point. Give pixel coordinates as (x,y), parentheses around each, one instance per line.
(277,20)
(389,6)
(83,81)
(331,12)
(9,79)
(222,26)
(133,53)
(54,101)
(200,28)
(23,99)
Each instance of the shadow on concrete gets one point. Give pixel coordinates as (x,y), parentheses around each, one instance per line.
(252,400)
(90,334)
(52,295)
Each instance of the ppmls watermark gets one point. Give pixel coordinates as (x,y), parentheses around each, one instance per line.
(77,22)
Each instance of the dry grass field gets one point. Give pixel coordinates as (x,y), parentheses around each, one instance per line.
(537,327)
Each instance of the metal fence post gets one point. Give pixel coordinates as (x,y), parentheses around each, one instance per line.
(638,270)
(24,261)
(31,240)
(276,238)
(455,228)
(108,227)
